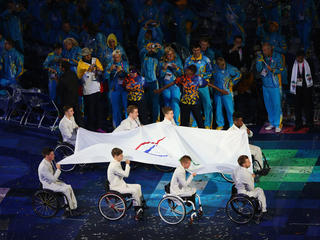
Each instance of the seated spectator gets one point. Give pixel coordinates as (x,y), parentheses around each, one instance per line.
(131,122)
(68,127)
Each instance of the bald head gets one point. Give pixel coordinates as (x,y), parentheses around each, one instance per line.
(267,49)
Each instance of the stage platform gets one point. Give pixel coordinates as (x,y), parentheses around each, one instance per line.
(292,189)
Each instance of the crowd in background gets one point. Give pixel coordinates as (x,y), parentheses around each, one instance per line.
(100,56)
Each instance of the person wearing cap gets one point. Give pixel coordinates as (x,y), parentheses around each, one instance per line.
(170,68)
(269,66)
(134,84)
(89,70)
(115,73)
(51,64)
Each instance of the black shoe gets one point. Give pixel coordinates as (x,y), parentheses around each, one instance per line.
(66,213)
(144,204)
(266,216)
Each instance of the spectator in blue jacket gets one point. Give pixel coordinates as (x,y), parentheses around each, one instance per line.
(269,66)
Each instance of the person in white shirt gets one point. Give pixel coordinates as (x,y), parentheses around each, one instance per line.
(116,182)
(68,127)
(255,150)
(179,185)
(131,122)
(50,178)
(168,116)
(244,182)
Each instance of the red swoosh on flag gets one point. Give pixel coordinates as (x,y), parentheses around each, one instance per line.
(157,142)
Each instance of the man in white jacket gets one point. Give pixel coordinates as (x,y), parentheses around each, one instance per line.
(68,127)
(116,182)
(179,185)
(131,122)
(255,150)
(50,178)
(168,116)
(244,182)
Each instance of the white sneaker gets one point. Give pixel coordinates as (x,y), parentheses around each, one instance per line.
(278,130)
(269,127)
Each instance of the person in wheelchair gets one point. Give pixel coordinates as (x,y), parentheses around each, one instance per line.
(116,182)
(244,183)
(131,122)
(179,185)
(68,127)
(168,116)
(50,180)
(255,150)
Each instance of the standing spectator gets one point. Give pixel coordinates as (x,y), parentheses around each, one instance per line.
(111,45)
(170,68)
(206,50)
(52,65)
(269,66)
(115,74)
(237,55)
(204,70)
(68,86)
(11,64)
(134,84)
(149,72)
(71,52)
(88,71)
(150,32)
(301,87)
(225,76)
(304,15)
(66,32)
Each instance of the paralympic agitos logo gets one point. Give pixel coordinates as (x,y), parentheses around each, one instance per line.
(151,148)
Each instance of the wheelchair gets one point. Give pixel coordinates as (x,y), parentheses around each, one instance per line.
(173,209)
(113,205)
(241,208)
(61,151)
(46,203)
(257,169)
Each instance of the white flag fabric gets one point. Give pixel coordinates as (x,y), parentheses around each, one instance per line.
(163,144)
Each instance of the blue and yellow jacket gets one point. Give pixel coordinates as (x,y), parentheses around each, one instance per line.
(73,55)
(157,36)
(203,64)
(149,68)
(115,81)
(226,78)
(11,64)
(52,62)
(170,74)
(274,38)
(270,79)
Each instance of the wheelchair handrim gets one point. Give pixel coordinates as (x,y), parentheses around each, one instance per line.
(119,206)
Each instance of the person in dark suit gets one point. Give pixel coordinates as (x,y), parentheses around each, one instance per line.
(237,55)
(68,90)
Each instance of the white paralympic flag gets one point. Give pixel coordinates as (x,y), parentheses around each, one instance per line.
(163,144)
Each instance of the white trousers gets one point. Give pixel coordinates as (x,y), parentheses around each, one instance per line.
(135,190)
(66,189)
(257,153)
(259,194)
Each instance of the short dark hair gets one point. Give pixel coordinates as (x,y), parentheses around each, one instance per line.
(193,68)
(166,109)
(66,108)
(300,53)
(195,45)
(57,46)
(236,115)
(185,158)
(131,108)
(10,41)
(219,59)
(204,39)
(238,36)
(242,159)
(46,151)
(116,152)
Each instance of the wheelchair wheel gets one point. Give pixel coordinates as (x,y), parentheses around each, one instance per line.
(171,210)
(45,204)
(240,210)
(112,206)
(163,168)
(227,177)
(62,151)
(129,203)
